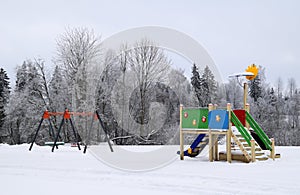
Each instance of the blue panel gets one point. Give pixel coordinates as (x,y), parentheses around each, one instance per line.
(218,119)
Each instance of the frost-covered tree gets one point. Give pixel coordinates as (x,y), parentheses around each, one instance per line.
(149,65)
(205,86)
(292,108)
(4,99)
(209,86)
(21,79)
(196,83)
(255,85)
(58,91)
(234,93)
(27,102)
(78,50)
(181,86)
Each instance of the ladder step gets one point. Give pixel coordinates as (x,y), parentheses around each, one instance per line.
(261,158)
(258,153)
(249,149)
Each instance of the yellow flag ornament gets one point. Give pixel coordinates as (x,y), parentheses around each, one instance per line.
(253,69)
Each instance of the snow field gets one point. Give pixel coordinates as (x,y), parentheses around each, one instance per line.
(68,171)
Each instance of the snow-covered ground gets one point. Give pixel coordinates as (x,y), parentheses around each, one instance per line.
(68,171)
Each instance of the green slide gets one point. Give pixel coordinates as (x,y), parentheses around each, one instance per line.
(241,128)
(258,130)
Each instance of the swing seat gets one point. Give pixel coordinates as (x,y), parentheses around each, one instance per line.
(73,144)
(52,143)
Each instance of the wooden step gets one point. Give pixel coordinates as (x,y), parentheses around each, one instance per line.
(261,158)
(258,153)
(247,156)
(245,144)
(249,148)
(238,157)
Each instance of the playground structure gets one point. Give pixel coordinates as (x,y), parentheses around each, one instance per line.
(211,123)
(67,116)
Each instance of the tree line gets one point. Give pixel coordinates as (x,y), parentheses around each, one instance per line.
(135,90)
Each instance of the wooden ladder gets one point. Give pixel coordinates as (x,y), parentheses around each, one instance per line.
(241,146)
(246,149)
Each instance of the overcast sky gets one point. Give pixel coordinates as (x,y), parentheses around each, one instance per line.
(235,33)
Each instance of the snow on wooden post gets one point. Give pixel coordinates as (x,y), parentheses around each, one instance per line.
(210,146)
(229,132)
(181,134)
(210,107)
(273,149)
(216,150)
(253,150)
(210,140)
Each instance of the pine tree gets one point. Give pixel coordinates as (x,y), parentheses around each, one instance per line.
(209,86)
(21,77)
(4,99)
(27,103)
(256,87)
(58,92)
(196,83)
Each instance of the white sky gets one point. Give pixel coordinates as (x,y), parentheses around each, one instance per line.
(235,33)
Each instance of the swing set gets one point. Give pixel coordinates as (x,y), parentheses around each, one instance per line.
(67,117)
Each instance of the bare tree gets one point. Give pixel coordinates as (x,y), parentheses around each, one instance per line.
(233,93)
(77,53)
(77,50)
(123,58)
(149,65)
(292,87)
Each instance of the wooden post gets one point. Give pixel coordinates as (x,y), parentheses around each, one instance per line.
(229,132)
(247,108)
(181,134)
(245,94)
(215,106)
(253,150)
(210,107)
(210,141)
(273,149)
(216,155)
(210,146)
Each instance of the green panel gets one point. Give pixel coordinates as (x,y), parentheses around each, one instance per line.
(196,118)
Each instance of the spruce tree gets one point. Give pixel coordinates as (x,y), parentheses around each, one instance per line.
(59,99)
(255,88)
(21,77)
(209,86)
(27,103)
(196,83)
(4,97)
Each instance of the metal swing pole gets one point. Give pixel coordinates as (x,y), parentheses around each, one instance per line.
(75,133)
(36,133)
(58,132)
(89,134)
(51,130)
(105,132)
